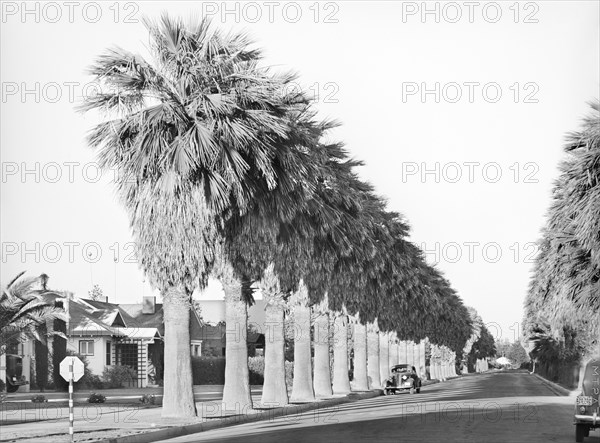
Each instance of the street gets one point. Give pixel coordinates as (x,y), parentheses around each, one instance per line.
(510,407)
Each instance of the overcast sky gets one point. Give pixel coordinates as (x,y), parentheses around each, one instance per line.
(459,112)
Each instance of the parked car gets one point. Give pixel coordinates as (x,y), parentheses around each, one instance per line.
(587,409)
(14,373)
(403,378)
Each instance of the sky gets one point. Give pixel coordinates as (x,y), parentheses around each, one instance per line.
(459,111)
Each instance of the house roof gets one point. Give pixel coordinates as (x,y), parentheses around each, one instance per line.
(93,317)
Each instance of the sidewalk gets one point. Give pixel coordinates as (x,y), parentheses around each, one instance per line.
(556,388)
(138,423)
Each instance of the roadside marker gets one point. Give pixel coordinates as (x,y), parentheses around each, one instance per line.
(71,402)
(71,369)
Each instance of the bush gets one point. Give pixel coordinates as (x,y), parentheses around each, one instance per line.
(39,399)
(256,366)
(208,370)
(117,376)
(289,373)
(96,398)
(148,399)
(211,370)
(89,380)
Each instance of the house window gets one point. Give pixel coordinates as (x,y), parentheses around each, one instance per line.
(108,354)
(86,347)
(196,350)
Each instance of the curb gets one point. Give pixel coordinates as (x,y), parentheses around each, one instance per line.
(178,431)
(554,387)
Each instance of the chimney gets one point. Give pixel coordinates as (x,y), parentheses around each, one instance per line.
(148,305)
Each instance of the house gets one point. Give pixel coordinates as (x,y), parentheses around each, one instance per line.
(109,334)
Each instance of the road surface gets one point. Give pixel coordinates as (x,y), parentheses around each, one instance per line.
(507,407)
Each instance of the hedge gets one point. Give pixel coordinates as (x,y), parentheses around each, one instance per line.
(211,370)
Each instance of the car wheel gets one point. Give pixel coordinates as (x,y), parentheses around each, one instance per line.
(579,432)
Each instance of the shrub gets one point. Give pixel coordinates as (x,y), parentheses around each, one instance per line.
(289,373)
(256,366)
(96,398)
(148,399)
(39,399)
(117,376)
(208,370)
(89,380)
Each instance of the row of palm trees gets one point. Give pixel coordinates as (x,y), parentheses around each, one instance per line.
(225,170)
(562,308)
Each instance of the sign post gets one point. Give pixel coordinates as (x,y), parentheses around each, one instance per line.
(71,369)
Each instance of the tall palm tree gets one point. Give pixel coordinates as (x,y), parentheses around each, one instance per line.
(373,356)
(563,302)
(341,382)
(26,307)
(361,380)
(322,367)
(384,355)
(302,389)
(274,389)
(192,137)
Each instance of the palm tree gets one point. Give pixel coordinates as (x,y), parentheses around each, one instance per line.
(26,307)
(193,137)
(384,356)
(302,389)
(322,367)
(361,380)
(563,302)
(274,389)
(373,356)
(341,382)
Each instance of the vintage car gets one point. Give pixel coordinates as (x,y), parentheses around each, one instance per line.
(14,373)
(587,411)
(403,377)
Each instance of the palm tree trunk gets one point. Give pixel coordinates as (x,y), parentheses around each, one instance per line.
(302,388)
(341,382)
(274,389)
(373,357)
(236,392)
(322,381)
(361,380)
(410,351)
(393,351)
(403,352)
(384,356)
(178,400)
(418,357)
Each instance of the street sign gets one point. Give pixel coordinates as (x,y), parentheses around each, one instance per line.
(71,368)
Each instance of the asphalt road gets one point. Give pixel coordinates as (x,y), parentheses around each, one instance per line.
(493,407)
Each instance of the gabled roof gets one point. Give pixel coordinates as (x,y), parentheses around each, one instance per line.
(85,321)
(94,317)
(141,320)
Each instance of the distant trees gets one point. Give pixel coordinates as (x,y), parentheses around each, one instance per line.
(483,347)
(96,293)
(517,354)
